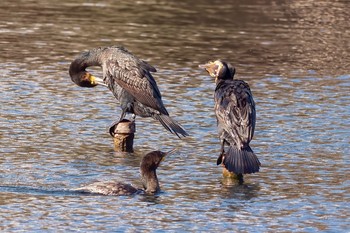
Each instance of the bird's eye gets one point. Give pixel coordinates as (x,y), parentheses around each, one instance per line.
(85,76)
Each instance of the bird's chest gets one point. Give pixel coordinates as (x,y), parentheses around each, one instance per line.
(125,99)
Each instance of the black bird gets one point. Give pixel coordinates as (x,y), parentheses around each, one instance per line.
(130,81)
(148,167)
(235,114)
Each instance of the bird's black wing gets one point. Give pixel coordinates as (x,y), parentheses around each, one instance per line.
(134,75)
(235,111)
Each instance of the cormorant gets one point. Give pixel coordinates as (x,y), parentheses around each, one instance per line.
(148,166)
(130,81)
(235,114)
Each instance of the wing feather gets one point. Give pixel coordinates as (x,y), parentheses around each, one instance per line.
(235,111)
(134,75)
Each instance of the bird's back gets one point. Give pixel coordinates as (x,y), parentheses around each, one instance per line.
(109,188)
(134,75)
(235,112)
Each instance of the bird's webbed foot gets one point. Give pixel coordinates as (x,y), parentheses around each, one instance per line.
(113,127)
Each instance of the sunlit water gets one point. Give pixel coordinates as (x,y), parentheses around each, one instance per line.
(53,134)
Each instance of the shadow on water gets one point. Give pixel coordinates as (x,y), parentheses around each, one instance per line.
(151,199)
(235,190)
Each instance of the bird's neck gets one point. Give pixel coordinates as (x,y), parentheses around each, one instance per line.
(85,60)
(220,82)
(150,181)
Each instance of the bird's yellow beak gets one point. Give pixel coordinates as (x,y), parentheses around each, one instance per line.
(96,81)
(210,67)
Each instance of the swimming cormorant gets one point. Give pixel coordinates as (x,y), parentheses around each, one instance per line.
(148,166)
(235,114)
(130,81)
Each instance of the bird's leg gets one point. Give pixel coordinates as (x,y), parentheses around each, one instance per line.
(240,178)
(122,116)
(115,123)
(222,152)
(133,117)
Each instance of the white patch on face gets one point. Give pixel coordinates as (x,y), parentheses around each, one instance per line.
(220,66)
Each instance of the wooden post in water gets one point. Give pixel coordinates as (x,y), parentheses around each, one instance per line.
(230,177)
(123,135)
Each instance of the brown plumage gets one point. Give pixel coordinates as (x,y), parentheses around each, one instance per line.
(235,114)
(130,81)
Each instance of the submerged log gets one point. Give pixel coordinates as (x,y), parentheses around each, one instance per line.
(123,135)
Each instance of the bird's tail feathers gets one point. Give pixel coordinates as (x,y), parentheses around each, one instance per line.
(171,125)
(241,161)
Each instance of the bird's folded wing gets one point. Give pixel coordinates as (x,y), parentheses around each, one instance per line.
(135,77)
(235,110)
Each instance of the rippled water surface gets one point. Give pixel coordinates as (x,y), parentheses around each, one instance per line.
(53,134)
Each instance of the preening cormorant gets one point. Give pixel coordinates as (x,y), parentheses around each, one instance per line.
(235,114)
(148,167)
(130,81)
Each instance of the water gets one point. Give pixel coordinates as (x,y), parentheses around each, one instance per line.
(294,55)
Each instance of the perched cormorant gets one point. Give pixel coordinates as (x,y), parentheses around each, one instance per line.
(130,81)
(148,167)
(235,114)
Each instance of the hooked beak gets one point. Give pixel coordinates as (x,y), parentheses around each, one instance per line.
(203,66)
(169,153)
(97,81)
(210,67)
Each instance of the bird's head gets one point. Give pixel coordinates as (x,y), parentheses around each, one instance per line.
(149,165)
(219,69)
(78,73)
(86,79)
(151,161)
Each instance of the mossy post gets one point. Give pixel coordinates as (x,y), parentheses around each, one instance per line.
(123,135)
(230,178)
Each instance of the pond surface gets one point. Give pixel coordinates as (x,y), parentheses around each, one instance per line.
(295,55)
